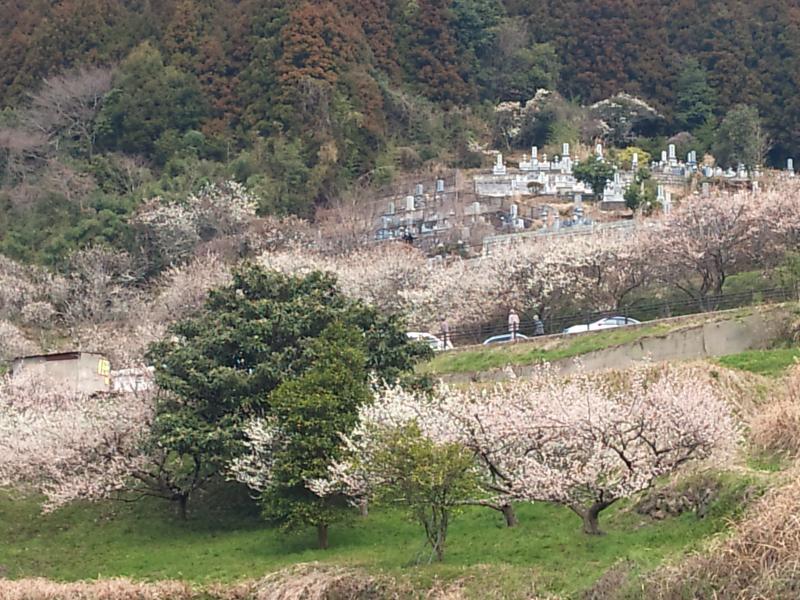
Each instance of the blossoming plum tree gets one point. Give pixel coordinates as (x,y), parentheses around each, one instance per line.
(584,443)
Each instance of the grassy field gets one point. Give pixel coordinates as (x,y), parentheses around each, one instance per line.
(489,357)
(770,363)
(225,540)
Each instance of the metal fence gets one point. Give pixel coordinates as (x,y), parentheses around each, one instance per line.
(643,311)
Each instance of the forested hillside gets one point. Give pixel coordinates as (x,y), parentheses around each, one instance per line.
(109,102)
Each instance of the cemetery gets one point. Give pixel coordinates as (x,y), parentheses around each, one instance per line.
(540,195)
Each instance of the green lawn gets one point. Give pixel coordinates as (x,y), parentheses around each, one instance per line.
(145,541)
(771,363)
(525,353)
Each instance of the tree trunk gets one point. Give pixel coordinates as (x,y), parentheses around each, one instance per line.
(363,508)
(322,536)
(183,501)
(591,524)
(510,515)
(438,544)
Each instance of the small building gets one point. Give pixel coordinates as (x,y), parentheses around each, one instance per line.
(80,372)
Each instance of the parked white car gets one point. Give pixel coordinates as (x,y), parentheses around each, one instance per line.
(504,338)
(434,342)
(607,323)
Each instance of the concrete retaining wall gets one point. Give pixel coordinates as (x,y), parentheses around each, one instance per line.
(710,339)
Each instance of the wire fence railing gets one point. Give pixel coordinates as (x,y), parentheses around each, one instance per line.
(643,311)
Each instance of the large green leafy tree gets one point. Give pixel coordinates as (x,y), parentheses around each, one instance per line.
(311,412)
(252,338)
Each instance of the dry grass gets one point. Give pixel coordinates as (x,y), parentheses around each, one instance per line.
(311,581)
(318,582)
(301,582)
(761,559)
(775,428)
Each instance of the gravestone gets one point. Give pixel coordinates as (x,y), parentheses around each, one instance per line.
(667,202)
(741,172)
(499,166)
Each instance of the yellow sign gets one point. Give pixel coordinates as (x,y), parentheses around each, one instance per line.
(103,367)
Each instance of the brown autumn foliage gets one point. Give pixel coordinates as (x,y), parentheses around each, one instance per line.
(317,42)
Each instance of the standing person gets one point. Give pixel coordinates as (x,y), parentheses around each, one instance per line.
(444,328)
(513,324)
(538,326)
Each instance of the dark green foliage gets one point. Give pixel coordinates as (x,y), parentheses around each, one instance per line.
(642,194)
(695,98)
(520,73)
(474,23)
(262,333)
(741,139)
(48,230)
(149,102)
(311,412)
(594,172)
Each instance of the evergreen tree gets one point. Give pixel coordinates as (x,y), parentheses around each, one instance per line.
(149,100)
(311,413)
(433,56)
(695,99)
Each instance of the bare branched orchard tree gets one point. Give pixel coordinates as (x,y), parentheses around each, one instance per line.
(64,108)
(349,220)
(21,154)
